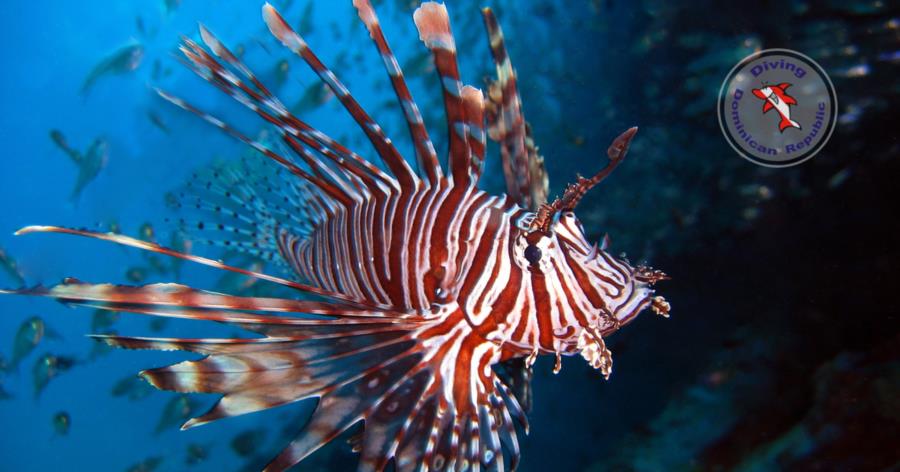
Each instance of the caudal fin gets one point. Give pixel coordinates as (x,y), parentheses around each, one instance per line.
(788,123)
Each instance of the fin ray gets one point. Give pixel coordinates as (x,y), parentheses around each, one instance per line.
(284,33)
(523,166)
(433,23)
(152,247)
(425,153)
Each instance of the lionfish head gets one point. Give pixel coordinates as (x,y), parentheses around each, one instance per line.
(608,289)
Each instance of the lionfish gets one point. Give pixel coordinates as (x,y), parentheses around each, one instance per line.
(426,300)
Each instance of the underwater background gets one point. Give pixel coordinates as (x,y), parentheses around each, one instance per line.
(783,349)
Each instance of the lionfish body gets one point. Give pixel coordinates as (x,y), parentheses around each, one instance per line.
(424,284)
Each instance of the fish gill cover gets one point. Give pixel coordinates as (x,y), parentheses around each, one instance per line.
(686,393)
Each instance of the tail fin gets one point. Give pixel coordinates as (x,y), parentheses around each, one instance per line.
(787,123)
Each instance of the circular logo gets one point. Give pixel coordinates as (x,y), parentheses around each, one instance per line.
(777,108)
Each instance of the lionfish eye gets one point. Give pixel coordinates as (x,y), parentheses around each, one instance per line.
(533,254)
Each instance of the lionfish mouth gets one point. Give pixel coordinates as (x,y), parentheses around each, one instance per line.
(590,342)
(649,276)
(642,297)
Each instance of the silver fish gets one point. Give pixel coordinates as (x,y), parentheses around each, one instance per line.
(123,61)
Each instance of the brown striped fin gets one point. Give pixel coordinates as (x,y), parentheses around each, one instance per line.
(300,137)
(295,133)
(152,247)
(476,138)
(433,23)
(434,403)
(344,406)
(255,379)
(523,166)
(425,153)
(324,322)
(284,33)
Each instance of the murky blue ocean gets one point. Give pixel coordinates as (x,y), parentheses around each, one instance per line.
(782,349)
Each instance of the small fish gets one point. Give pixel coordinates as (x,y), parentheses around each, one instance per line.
(262,46)
(576,139)
(139,24)
(60,140)
(29,334)
(103,320)
(169,6)
(892,57)
(196,453)
(177,411)
(89,164)
(756,191)
(61,423)
(179,241)
(315,96)
(115,227)
(248,442)
(839,178)
(94,161)
(147,233)
(48,367)
(11,268)
(776,97)
(157,72)
(132,387)
(4,395)
(100,349)
(136,274)
(157,121)
(720,52)
(233,282)
(123,61)
(306,25)
(336,31)
(156,264)
(147,465)
(342,61)
(280,72)
(419,65)
(860,7)
(158,324)
(852,72)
